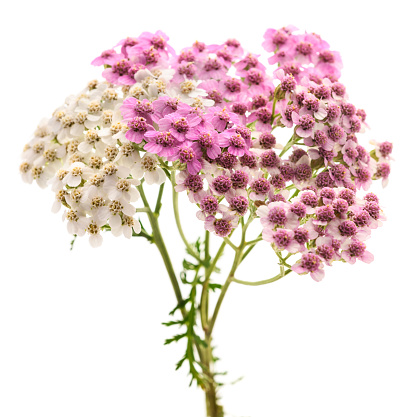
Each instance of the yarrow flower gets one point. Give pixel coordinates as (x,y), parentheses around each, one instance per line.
(207,118)
(206,122)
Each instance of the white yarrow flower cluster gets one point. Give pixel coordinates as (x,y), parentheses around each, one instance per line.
(81,152)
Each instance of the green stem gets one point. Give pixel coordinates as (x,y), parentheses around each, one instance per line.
(244,229)
(294,194)
(253,242)
(236,262)
(207,247)
(230,243)
(165,168)
(205,292)
(282,260)
(275,96)
(159,204)
(266,281)
(213,409)
(178,221)
(144,234)
(159,241)
(290,143)
(144,197)
(215,260)
(248,250)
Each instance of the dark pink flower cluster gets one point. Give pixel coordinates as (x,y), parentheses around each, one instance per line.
(184,133)
(217,119)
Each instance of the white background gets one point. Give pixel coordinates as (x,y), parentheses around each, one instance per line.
(80,331)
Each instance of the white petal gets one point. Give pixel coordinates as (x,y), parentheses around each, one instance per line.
(95,240)
(93,118)
(151,177)
(85,147)
(56,206)
(127,231)
(73,181)
(134,194)
(72,229)
(129,209)
(137,171)
(161,176)
(77,129)
(115,221)
(102,213)
(116,231)
(137,227)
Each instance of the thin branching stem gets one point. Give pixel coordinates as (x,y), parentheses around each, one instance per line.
(215,260)
(159,204)
(205,291)
(190,250)
(230,243)
(159,241)
(236,262)
(263,282)
(253,242)
(290,143)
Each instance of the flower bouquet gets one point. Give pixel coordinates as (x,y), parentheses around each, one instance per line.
(208,120)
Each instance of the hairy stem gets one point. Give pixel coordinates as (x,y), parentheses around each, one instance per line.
(213,409)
